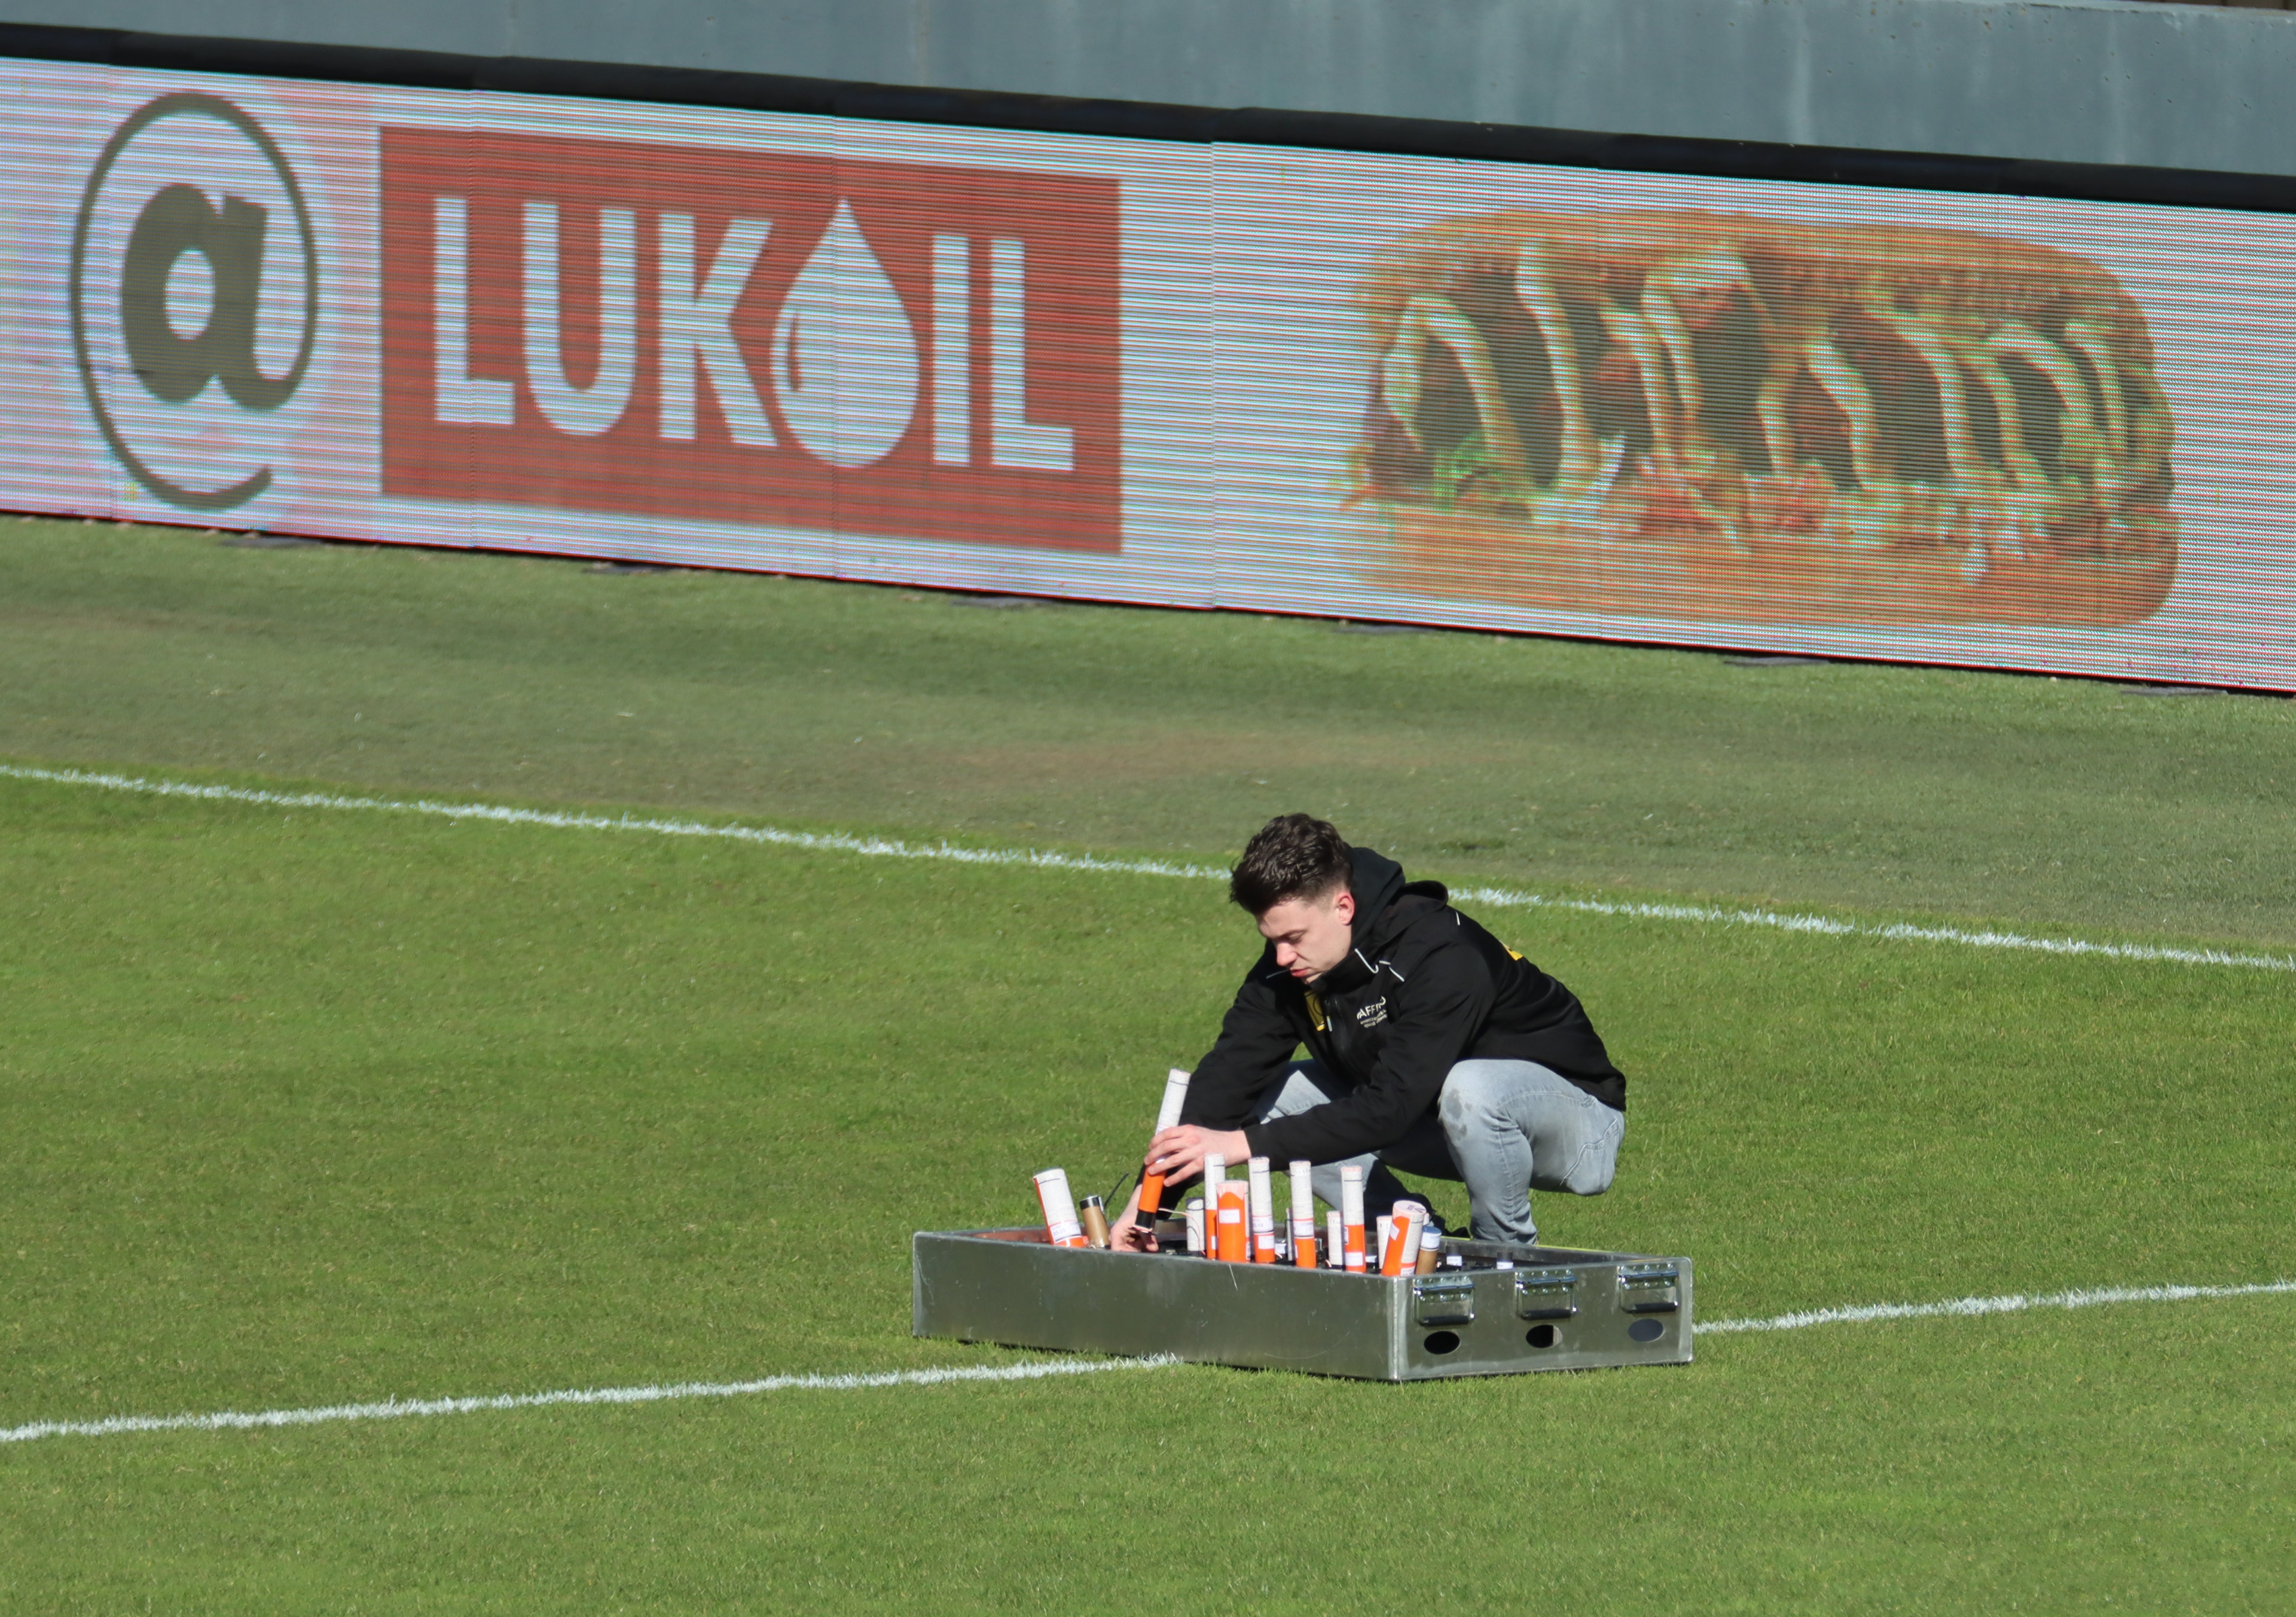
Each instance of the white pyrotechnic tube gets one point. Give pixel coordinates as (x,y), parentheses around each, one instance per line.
(1175,1095)
(1263,1213)
(1060,1223)
(1215,1177)
(1303,1214)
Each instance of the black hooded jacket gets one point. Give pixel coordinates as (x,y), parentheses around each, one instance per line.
(1425,988)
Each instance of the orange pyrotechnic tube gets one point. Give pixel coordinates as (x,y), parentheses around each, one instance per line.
(1303,1215)
(1402,1250)
(1167,1116)
(1215,1177)
(1234,1241)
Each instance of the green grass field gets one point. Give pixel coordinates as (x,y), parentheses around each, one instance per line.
(308,1107)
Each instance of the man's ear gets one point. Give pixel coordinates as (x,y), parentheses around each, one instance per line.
(1343,906)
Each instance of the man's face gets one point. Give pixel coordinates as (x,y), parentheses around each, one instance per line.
(1311,935)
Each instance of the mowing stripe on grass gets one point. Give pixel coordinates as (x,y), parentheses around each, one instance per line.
(395,1410)
(2013,1304)
(232,1420)
(1895,931)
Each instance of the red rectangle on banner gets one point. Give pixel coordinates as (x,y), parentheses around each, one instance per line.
(901,350)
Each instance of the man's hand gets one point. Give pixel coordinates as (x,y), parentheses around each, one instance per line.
(1178,1154)
(1126,1236)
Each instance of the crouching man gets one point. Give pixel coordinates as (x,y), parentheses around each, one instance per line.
(1434,1048)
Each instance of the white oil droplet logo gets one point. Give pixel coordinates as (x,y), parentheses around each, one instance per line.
(845,355)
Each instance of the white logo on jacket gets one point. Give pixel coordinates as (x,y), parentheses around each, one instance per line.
(1371,1014)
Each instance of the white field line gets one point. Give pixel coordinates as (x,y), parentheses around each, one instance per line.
(402,1408)
(2013,1304)
(1894,931)
(231,1420)
(1898,931)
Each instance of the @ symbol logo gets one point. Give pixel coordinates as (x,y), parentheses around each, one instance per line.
(194,309)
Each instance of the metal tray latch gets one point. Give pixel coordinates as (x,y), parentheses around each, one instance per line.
(1649,1288)
(1445,1299)
(1546,1293)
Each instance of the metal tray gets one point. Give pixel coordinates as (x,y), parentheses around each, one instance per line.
(1557,1309)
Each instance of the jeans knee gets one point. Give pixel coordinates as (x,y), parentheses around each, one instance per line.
(1598,1159)
(1297,1091)
(1469,1095)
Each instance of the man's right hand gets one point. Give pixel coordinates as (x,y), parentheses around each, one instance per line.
(1178,1154)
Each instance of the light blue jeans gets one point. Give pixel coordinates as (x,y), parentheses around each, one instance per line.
(1502,1128)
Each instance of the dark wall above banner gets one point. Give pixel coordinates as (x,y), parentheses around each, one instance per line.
(2067,81)
(1938,168)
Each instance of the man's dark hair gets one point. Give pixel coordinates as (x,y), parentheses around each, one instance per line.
(1293,856)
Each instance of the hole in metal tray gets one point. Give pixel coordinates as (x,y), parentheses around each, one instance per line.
(1646,1330)
(1542,1335)
(1442,1342)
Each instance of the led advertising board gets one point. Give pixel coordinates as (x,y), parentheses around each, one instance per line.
(2009,432)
